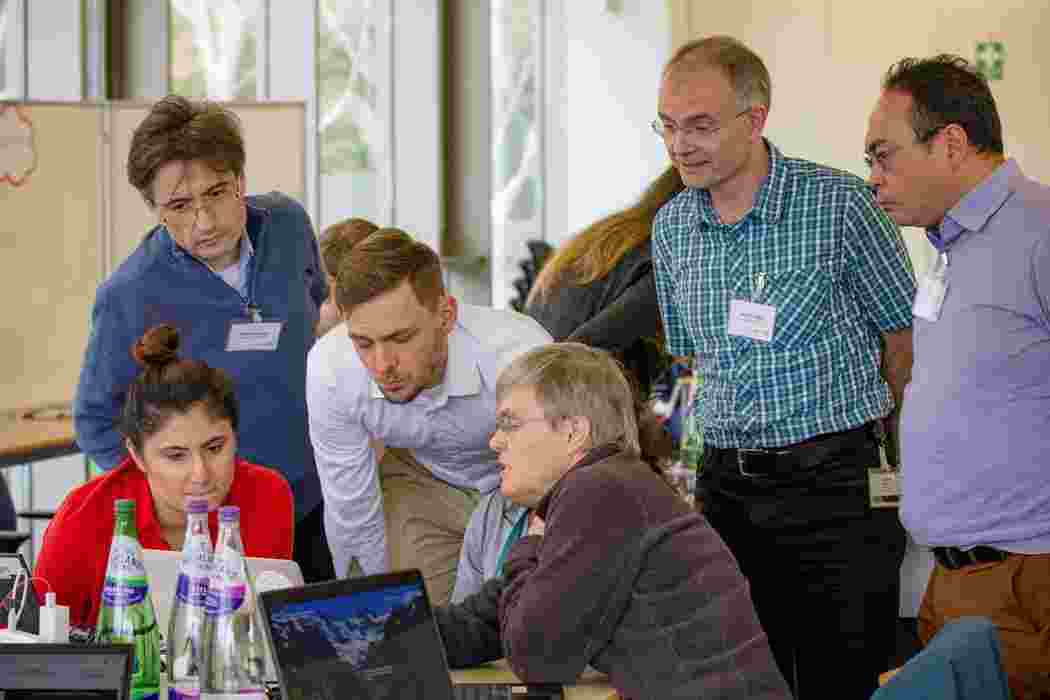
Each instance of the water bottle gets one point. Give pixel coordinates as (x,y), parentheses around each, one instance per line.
(127,609)
(234,663)
(186,622)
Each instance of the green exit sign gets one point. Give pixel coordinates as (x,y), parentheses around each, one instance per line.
(990,57)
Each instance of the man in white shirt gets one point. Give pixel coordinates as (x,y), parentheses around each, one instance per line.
(401,401)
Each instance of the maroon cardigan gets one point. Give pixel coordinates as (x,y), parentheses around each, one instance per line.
(628,578)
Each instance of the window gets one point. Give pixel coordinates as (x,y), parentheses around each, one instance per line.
(517,143)
(12,50)
(214,49)
(354,115)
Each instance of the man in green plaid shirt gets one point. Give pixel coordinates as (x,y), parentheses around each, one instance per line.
(792,290)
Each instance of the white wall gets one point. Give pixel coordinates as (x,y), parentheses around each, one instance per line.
(612,64)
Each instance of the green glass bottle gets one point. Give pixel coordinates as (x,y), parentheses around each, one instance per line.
(127,615)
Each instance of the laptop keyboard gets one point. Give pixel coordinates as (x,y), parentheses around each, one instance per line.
(482,691)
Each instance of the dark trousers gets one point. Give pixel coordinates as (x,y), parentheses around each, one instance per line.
(823,566)
(311,547)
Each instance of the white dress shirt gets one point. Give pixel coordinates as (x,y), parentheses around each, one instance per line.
(447,427)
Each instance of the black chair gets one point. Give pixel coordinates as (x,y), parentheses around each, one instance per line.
(10,540)
(539,251)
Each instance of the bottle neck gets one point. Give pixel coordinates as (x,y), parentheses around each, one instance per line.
(229,536)
(196,524)
(125,525)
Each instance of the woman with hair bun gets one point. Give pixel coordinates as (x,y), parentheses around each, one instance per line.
(180,428)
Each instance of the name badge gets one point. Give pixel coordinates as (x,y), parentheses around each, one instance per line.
(929,298)
(884,488)
(254,336)
(750,320)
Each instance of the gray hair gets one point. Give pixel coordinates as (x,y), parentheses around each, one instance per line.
(572,379)
(746,72)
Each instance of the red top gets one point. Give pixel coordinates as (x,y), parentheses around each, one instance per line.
(75,550)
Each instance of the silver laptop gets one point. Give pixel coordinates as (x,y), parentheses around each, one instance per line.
(162,568)
(13,569)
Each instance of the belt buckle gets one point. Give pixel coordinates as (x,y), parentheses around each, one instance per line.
(741,460)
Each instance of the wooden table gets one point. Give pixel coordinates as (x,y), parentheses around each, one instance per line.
(24,440)
(591,685)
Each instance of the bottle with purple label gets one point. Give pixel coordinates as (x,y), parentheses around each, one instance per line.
(126,615)
(186,622)
(234,665)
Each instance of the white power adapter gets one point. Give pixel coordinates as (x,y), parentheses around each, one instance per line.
(54,621)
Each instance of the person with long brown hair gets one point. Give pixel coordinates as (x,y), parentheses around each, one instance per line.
(599,289)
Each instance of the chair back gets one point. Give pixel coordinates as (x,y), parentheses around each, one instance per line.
(10,540)
(962,662)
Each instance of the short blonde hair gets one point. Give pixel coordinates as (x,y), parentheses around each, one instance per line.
(572,379)
(745,70)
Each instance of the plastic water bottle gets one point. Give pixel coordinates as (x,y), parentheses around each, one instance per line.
(186,623)
(127,609)
(234,663)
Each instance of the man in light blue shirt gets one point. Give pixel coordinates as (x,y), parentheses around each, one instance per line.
(975,444)
(402,406)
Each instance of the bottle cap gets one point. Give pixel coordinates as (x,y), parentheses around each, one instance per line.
(229,514)
(196,504)
(124,505)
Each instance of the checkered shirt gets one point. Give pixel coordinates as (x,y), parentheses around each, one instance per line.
(818,248)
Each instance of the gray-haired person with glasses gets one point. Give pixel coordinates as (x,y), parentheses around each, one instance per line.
(238,276)
(792,290)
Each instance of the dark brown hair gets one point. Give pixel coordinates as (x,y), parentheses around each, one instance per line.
(339,238)
(381,262)
(178,129)
(947,90)
(168,385)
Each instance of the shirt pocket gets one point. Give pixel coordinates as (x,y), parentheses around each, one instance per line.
(801,297)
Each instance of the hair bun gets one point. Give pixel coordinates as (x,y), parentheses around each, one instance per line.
(157,348)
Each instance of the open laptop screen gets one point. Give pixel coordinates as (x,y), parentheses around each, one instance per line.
(65,671)
(371,637)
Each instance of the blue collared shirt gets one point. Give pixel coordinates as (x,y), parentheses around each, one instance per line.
(818,248)
(975,427)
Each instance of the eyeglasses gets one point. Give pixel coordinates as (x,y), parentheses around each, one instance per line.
(183,212)
(884,157)
(509,424)
(693,133)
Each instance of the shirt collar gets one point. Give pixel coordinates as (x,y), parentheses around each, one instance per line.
(462,374)
(593,456)
(972,212)
(769,199)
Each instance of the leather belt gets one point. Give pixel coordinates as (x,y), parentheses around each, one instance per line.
(789,460)
(954,558)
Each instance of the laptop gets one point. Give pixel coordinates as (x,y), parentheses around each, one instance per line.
(369,637)
(10,567)
(65,671)
(162,569)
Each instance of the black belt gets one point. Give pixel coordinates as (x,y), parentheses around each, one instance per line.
(955,558)
(789,460)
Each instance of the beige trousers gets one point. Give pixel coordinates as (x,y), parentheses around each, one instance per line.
(426,519)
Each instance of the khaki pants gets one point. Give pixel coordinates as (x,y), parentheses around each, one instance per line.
(426,519)
(1015,595)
